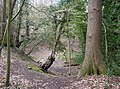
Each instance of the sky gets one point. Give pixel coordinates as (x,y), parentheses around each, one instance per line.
(46,2)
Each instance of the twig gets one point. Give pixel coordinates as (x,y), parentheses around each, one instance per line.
(33,48)
(39,10)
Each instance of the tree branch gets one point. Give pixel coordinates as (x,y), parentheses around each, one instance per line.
(18,11)
(39,10)
(33,48)
(2,45)
(13,5)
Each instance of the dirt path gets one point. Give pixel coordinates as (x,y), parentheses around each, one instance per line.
(58,66)
(23,78)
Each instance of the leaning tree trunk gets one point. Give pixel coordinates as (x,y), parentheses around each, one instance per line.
(51,58)
(93,59)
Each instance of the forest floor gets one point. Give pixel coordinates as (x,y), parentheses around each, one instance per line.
(23,78)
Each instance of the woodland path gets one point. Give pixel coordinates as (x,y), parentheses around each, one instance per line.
(23,78)
(29,79)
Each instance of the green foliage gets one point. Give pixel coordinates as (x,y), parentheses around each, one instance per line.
(79,58)
(75,27)
(111,14)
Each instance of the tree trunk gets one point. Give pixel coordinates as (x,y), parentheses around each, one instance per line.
(51,58)
(13,25)
(3,18)
(13,5)
(8,42)
(18,30)
(3,25)
(27,28)
(27,20)
(69,55)
(93,59)
(19,27)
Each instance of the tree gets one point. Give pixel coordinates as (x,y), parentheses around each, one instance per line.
(13,5)
(27,20)
(93,58)
(8,42)
(59,28)
(3,18)
(19,26)
(8,29)
(19,23)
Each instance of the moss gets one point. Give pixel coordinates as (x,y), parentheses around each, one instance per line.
(28,61)
(35,68)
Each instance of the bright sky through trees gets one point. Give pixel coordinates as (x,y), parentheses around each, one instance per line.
(46,2)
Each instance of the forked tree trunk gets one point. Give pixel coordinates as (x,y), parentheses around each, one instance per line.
(51,58)
(93,59)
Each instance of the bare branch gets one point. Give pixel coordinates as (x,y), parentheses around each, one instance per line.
(40,10)
(18,11)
